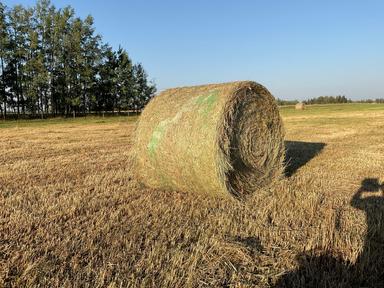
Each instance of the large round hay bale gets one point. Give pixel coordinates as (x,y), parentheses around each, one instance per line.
(219,139)
(300,106)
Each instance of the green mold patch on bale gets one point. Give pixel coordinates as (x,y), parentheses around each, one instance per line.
(219,139)
(206,102)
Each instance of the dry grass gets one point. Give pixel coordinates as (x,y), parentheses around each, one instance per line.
(73,216)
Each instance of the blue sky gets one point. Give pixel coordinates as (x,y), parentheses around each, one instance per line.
(297,49)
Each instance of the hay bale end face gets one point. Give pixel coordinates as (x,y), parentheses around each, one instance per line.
(300,106)
(218,139)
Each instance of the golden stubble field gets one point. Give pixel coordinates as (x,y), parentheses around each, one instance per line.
(72,214)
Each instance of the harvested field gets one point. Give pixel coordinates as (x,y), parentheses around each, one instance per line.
(73,215)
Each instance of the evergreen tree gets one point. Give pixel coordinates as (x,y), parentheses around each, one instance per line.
(125,80)
(91,52)
(106,86)
(4,42)
(18,21)
(143,90)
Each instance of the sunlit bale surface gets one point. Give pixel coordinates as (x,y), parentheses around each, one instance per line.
(217,139)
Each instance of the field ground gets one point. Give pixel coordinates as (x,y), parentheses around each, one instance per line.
(72,215)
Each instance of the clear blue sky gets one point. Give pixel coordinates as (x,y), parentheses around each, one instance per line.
(297,49)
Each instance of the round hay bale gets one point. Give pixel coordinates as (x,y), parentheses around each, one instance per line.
(300,106)
(218,139)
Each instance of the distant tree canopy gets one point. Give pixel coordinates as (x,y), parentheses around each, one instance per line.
(378,100)
(328,100)
(52,62)
(317,100)
(282,102)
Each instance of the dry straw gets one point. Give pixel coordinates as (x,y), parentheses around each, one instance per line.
(218,139)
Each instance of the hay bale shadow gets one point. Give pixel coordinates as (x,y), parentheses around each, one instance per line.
(299,153)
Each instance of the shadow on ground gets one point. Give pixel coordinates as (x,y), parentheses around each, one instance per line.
(299,153)
(319,269)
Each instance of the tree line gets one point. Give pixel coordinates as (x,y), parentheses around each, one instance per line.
(328,100)
(377,100)
(53,63)
(282,102)
(316,100)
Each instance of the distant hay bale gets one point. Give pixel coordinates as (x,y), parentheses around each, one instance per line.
(215,139)
(300,106)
